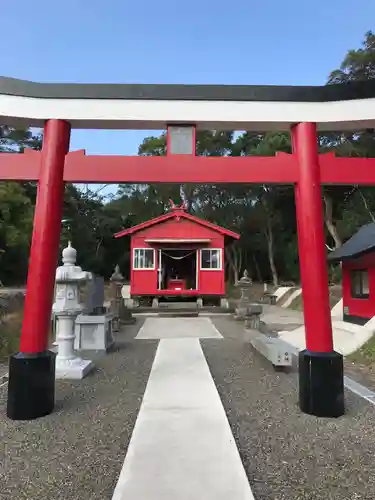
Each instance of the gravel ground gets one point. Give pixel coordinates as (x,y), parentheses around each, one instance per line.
(287,454)
(363,374)
(78,451)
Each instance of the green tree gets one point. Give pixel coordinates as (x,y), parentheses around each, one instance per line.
(358,65)
(340,201)
(16,209)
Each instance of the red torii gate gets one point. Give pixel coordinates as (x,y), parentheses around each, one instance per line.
(31,375)
(100,169)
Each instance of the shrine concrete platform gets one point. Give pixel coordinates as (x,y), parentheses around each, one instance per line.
(80,450)
(177,328)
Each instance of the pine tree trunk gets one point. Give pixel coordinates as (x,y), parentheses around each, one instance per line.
(328,218)
(257,269)
(271,257)
(269,237)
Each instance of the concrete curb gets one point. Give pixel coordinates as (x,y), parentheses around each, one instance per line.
(262,346)
(275,350)
(3,379)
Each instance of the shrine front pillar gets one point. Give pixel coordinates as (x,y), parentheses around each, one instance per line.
(31,388)
(321,388)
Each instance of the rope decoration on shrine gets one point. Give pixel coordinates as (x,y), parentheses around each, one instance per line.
(178,257)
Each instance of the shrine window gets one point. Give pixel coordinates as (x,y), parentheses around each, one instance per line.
(144,258)
(359,284)
(211,259)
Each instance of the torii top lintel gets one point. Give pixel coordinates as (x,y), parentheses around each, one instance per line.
(222,107)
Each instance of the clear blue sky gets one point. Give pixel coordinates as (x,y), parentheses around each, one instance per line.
(200,41)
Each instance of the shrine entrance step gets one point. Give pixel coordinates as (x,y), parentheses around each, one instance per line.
(189,308)
(178,314)
(178,305)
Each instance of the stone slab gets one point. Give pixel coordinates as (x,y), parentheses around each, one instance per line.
(172,328)
(280,292)
(292,297)
(182,446)
(74,371)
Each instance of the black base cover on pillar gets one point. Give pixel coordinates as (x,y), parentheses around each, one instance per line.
(321,383)
(31,387)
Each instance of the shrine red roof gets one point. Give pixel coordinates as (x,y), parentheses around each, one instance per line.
(178,214)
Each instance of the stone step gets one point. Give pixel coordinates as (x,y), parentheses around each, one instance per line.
(177,305)
(156,310)
(178,314)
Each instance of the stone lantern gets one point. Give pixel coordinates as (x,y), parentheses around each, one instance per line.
(69,279)
(126,317)
(244,285)
(117,281)
(119,295)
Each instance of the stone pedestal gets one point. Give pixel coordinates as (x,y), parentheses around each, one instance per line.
(66,307)
(68,364)
(126,317)
(94,332)
(125,314)
(252,316)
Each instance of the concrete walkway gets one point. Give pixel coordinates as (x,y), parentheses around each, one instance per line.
(182,446)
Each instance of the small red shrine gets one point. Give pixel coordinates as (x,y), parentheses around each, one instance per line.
(357,256)
(177,255)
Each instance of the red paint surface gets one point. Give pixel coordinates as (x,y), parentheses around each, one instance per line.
(176,284)
(311,241)
(364,308)
(46,238)
(148,169)
(279,169)
(171,217)
(145,281)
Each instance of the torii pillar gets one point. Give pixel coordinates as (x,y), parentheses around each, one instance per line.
(321,374)
(31,387)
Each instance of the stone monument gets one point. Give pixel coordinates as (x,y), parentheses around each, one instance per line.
(66,307)
(95,297)
(94,326)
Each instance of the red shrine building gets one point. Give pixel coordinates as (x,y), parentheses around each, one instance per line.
(357,256)
(177,255)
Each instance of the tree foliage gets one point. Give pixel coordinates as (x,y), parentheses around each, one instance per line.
(263,214)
